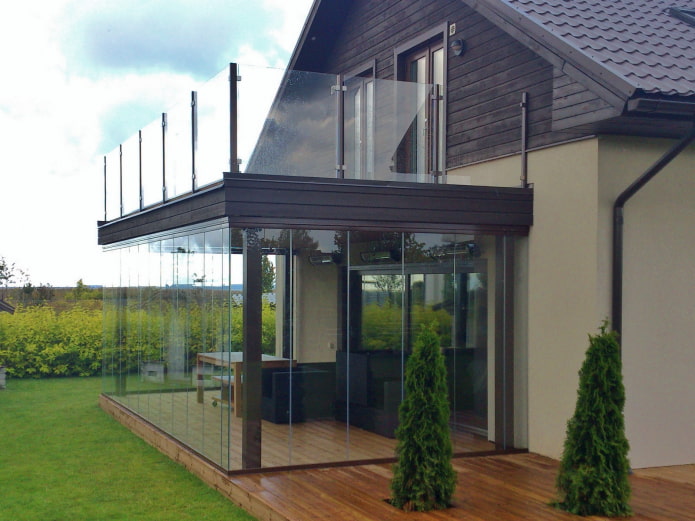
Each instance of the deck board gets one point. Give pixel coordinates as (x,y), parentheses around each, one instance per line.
(500,488)
(512,487)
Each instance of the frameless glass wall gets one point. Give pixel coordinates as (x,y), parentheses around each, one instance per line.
(333,316)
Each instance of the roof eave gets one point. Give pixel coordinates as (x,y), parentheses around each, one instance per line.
(661,107)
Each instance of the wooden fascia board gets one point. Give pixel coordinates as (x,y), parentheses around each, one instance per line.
(611,87)
(250,200)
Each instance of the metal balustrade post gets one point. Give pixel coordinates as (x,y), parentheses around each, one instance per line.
(105,196)
(141,191)
(120,175)
(339,89)
(234,78)
(164,157)
(194,138)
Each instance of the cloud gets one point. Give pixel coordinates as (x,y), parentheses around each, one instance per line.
(144,36)
(82,76)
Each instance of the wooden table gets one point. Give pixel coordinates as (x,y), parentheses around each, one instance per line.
(234,360)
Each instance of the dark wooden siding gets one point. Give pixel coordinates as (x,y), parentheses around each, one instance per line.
(574,104)
(485,85)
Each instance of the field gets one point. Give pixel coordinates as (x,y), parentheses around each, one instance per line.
(62,458)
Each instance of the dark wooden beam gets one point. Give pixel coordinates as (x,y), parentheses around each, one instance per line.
(251,367)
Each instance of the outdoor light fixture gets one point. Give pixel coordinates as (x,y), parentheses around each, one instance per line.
(318,258)
(458,46)
(468,249)
(380,256)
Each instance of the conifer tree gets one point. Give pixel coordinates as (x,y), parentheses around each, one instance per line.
(424,478)
(593,476)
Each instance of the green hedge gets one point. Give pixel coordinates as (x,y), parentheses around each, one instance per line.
(37,341)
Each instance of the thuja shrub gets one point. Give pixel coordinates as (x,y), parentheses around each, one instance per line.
(593,475)
(423,477)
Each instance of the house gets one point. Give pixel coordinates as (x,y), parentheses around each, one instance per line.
(516,170)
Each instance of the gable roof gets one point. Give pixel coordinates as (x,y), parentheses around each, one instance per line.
(630,48)
(640,41)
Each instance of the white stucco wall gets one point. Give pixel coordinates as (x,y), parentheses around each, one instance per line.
(565,272)
(559,269)
(659,299)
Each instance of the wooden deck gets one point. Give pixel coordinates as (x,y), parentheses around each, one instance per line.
(491,488)
(494,488)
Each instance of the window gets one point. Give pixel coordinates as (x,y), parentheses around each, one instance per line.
(422,148)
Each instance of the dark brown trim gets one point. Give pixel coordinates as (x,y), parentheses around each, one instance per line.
(251,431)
(248,200)
(504,342)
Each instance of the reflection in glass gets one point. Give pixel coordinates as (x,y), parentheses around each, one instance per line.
(212,142)
(113,184)
(178,167)
(339,314)
(152,163)
(131,174)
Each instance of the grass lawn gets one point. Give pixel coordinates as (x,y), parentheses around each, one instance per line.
(63,458)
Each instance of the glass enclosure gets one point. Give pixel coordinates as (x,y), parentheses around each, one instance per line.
(336,315)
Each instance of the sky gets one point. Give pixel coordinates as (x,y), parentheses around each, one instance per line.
(82,76)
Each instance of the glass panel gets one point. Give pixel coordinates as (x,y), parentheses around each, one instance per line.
(178,150)
(370,369)
(131,174)
(256,91)
(173,319)
(448,284)
(297,137)
(113,184)
(319,260)
(212,152)
(152,163)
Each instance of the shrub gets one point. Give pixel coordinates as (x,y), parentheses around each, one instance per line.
(593,476)
(37,341)
(424,478)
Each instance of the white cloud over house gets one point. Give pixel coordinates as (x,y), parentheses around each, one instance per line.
(80,77)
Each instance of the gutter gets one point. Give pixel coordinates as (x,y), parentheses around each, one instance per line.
(619,224)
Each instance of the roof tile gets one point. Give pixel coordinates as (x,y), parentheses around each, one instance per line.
(635,39)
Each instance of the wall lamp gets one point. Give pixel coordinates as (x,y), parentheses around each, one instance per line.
(380,256)
(458,47)
(319,258)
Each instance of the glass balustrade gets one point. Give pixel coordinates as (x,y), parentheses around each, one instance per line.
(287,123)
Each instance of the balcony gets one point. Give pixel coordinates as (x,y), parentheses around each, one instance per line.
(253,120)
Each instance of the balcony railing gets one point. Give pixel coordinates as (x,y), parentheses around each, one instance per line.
(270,121)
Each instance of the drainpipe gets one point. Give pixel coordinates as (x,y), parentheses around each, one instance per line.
(618,224)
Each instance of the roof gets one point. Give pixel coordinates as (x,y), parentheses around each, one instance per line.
(639,41)
(630,47)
